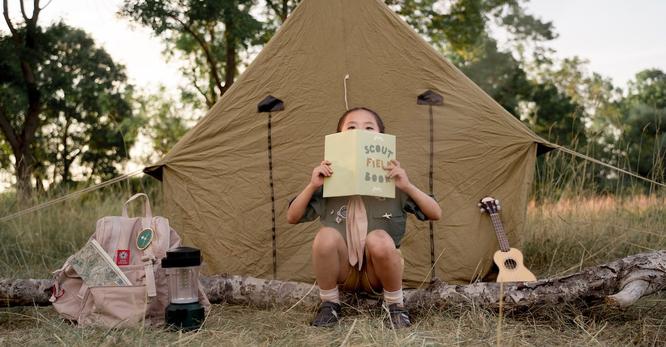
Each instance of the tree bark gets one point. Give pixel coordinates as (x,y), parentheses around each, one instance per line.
(21,142)
(619,283)
(230,54)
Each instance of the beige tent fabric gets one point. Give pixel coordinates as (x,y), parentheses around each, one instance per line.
(216,178)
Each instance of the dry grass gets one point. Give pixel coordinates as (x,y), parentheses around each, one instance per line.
(643,324)
(566,236)
(560,238)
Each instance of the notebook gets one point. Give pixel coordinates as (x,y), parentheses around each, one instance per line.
(358,159)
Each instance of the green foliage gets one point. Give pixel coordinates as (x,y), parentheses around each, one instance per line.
(207,35)
(86,118)
(462,28)
(556,117)
(644,124)
(500,75)
(165,123)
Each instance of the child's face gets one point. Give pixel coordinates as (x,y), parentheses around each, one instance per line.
(360,119)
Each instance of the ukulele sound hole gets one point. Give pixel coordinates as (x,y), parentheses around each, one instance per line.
(510,264)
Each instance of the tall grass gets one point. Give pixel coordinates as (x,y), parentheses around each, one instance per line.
(35,244)
(569,226)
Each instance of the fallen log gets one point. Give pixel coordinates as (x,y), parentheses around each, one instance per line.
(619,283)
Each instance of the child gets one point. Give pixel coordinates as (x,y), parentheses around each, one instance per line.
(378,223)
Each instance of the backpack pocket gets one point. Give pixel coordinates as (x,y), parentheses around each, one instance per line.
(67,294)
(114,306)
(135,273)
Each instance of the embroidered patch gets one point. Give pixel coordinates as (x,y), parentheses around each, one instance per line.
(122,257)
(144,239)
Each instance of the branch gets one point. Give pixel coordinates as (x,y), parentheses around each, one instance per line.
(285,10)
(35,12)
(273,7)
(590,286)
(230,64)
(47,4)
(25,16)
(5,12)
(207,53)
(209,103)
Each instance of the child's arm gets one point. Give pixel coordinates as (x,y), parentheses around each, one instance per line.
(427,204)
(300,203)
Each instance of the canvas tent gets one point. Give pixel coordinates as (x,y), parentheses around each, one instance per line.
(228,181)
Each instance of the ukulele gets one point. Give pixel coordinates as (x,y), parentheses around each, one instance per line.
(508,260)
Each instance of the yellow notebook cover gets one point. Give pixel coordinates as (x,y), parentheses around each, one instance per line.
(358,158)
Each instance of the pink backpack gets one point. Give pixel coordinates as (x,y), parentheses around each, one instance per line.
(146,299)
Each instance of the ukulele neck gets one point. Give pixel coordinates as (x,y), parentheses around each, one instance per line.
(499,230)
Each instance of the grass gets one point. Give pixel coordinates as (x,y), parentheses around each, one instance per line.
(643,324)
(561,237)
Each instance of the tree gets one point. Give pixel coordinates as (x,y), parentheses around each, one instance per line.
(165,124)
(19,67)
(644,123)
(63,102)
(461,28)
(280,9)
(91,119)
(207,34)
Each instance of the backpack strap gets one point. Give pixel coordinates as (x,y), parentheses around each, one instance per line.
(149,262)
(148,258)
(159,246)
(146,221)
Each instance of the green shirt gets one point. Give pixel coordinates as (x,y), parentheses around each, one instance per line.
(383,213)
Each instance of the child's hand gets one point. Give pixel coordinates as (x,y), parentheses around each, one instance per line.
(398,174)
(323,170)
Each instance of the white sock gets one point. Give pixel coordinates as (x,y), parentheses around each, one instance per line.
(331,295)
(393,297)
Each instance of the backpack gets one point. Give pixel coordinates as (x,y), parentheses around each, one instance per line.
(146,299)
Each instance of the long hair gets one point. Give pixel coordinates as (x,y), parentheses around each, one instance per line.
(378,119)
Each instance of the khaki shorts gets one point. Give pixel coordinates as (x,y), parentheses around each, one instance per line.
(357,280)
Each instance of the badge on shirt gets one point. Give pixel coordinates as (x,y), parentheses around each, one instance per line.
(122,257)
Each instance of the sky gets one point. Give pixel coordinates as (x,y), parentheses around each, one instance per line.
(618,37)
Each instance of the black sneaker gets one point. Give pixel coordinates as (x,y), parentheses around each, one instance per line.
(327,315)
(398,317)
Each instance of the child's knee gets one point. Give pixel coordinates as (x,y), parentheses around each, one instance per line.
(326,240)
(380,245)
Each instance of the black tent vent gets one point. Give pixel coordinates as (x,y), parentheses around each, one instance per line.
(430,98)
(270,104)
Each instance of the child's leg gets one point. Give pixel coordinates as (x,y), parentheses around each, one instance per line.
(384,265)
(330,260)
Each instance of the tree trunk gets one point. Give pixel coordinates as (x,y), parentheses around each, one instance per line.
(21,142)
(230,65)
(24,172)
(619,283)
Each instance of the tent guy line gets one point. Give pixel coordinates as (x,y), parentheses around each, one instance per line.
(70,196)
(136,172)
(597,161)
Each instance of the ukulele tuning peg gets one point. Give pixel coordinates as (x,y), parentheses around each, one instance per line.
(482,210)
